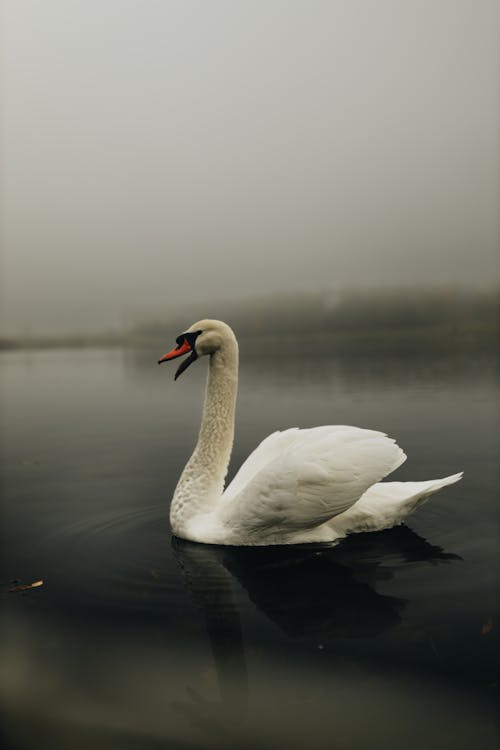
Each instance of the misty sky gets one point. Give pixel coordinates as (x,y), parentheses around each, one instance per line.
(155,150)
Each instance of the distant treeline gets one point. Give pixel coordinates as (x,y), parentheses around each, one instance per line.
(426,316)
(64,341)
(388,319)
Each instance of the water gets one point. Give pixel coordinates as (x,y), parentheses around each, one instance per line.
(140,641)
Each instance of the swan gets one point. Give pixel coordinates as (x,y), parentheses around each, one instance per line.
(298,486)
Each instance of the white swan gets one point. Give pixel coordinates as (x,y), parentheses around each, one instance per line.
(298,486)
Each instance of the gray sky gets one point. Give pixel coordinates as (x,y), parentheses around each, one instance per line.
(158,150)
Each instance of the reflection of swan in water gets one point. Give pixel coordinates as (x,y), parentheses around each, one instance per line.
(308,591)
(209,584)
(210,587)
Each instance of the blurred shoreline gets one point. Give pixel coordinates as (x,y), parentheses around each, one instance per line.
(387,320)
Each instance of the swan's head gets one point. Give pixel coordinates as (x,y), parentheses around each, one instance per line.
(203,337)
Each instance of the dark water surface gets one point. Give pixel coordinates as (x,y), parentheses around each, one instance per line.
(140,641)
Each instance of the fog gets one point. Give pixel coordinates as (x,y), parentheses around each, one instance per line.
(168,152)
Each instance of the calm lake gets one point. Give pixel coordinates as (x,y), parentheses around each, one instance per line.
(139,641)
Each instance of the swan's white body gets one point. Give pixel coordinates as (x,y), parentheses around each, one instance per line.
(298,486)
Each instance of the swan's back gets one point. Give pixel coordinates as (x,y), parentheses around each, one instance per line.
(297,479)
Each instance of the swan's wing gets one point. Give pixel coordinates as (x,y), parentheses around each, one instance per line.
(386,504)
(270,448)
(298,479)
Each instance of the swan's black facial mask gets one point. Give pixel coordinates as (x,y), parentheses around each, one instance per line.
(185,343)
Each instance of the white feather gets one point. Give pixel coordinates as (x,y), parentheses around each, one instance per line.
(300,481)
(386,504)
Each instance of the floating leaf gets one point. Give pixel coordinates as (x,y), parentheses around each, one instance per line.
(487,627)
(27,586)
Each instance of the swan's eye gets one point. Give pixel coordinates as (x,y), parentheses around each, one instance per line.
(190,337)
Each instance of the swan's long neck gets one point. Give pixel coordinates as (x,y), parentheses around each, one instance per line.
(202,481)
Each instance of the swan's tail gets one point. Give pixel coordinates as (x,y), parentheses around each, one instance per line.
(387,504)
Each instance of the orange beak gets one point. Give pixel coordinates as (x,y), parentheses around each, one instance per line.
(177,352)
(183,348)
